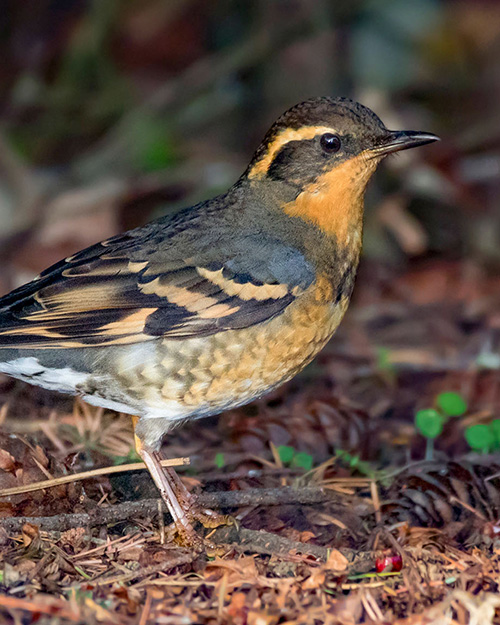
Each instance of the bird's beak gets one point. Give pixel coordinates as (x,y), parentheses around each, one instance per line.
(397,140)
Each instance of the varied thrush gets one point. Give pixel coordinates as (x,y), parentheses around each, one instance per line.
(211,308)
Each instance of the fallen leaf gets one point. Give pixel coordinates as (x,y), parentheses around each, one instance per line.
(237,604)
(7,461)
(262,618)
(336,561)
(306,536)
(29,533)
(315,580)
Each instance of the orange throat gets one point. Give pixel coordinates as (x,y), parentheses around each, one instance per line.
(334,202)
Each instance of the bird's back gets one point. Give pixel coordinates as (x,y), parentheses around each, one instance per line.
(154,322)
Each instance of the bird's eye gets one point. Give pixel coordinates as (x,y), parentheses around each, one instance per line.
(330,143)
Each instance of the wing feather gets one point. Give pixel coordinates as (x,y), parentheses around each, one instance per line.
(123,291)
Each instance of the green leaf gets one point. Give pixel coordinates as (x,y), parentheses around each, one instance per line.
(82,572)
(219,460)
(342,454)
(354,461)
(384,360)
(304,460)
(429,423)
(286,453)
(495,428)
(153,148)
(480,437)
(157,155)
(132,456)
(452,404)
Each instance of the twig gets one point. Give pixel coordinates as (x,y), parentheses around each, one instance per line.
(268,497)
(266,543)
(228,476)
(149,507)
(54,607)
(182,558)
(146,609)
(376,501)
(76,477)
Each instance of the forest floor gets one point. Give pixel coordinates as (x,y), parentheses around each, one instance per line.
(341,518)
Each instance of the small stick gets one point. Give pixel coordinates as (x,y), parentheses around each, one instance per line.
(146,609)
(376,501)
(149,507)
(185,557)
(266,543)
(56,608)
(75,477)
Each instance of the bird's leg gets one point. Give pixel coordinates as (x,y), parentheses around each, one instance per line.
(208,518)
(162,479)
(180,502)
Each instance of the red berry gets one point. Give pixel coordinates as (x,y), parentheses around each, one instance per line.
(389,564)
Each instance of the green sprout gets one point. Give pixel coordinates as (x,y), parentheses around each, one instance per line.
(219,460)
(384,364)
(495,428)
(430,421)
(355,463)
(302,460)
(290,457)
(451,404)
(484,437)
(132,456)
(286,454)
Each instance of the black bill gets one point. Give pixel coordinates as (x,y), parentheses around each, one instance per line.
(398,140)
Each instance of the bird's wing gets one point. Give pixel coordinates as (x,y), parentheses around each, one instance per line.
(127,290)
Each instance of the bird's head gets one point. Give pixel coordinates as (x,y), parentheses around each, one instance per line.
(319,156)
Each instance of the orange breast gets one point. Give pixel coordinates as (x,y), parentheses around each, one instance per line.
(334,201)
(209,374)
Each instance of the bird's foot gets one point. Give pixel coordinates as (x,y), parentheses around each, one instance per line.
(193,510)
(209,518)
(187,537)
(183,507)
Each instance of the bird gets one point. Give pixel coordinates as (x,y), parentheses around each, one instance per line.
(210,308)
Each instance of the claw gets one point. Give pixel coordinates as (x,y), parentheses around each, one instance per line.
(196,542)
(206,517)
(183,507)
(188,539)
(216,551)
(209,518)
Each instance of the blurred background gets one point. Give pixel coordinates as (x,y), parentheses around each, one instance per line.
(113,113)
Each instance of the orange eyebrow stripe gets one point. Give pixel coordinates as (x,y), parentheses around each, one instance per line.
(289,134)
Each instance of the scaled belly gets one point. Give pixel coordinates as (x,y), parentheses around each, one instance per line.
(203,376)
